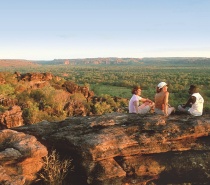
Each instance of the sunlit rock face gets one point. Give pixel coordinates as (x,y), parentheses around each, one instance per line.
(11,118)
(20,157)
(127,149)
(35,76)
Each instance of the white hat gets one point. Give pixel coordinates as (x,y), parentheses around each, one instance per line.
(162,84)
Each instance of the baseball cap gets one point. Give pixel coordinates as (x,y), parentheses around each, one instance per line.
(162,84)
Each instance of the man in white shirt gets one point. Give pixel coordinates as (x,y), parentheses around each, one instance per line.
(194,105)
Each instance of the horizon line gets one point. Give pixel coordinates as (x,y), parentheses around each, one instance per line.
(95,58)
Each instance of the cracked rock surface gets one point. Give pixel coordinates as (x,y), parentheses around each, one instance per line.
(125,149)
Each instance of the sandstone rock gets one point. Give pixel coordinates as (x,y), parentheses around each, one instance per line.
(125,149)
(73,88)
(34,80)
(20,157)
(7,102)
(35,76)
(11,118)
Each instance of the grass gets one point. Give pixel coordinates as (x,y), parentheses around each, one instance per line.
(122,92)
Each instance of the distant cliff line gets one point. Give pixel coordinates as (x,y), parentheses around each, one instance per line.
(109,61)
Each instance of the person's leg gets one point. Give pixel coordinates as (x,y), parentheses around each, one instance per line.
(159,111)
(144,108)
(181,109)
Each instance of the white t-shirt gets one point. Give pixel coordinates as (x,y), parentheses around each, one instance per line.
(197,107)
(131,103)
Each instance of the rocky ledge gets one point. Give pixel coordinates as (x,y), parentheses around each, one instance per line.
(125,149)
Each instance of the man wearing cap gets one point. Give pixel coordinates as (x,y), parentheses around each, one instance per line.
(134,106)
(194,105)
(161,100)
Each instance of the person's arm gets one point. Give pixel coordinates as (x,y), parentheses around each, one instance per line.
(146,100)
(190,101)
(165,106)
(135,103)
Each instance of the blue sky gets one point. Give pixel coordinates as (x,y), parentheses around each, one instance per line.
(55,29)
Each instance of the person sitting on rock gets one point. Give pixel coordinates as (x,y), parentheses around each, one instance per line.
(194,105)
(161,100)
(135,107)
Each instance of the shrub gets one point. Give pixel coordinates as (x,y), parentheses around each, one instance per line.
(101,108)
(2,109)
(37,95)
(55,170)
(55,98)
(23,97)
(78,97)
(6,89)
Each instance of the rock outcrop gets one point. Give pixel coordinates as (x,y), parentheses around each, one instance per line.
(127,149)
(35,76)
(20,157)
(35,80)
(52,98)
(7,102)
(11,118)
(73,88)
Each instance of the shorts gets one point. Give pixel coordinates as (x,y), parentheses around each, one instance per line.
(144,108)
(159,111)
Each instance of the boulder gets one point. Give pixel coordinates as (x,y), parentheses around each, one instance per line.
(20,157)
(11,118)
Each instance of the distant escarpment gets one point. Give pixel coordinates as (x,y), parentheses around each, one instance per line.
(115,61)
(16,63)
(156,61)
(29,98)
(130,149)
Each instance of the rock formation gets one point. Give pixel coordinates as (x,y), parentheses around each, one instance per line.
(7,102)
(35,80)
(35,76)
(127,149)
(73,88)
(20,157)
(11,118)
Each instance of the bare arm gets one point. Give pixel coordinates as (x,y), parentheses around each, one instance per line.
(190,101)
(146,100)
(166,103)
(136,106)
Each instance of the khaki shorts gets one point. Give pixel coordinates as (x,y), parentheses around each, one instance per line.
(143,109)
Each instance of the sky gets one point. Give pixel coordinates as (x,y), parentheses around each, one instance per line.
(67,29)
